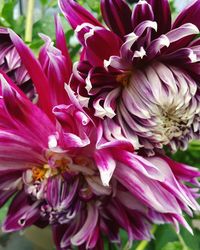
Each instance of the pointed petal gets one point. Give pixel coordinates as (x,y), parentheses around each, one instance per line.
(75,14)
(106,165)
(100,45)
(55,66)
(119,214)
(119,144)
(173,185)
(23,115)
(180,37)
(149,192)
(9,182)
(140,165)
(20,214)
(35,71)
(84,234)
(61,44)
(162,15)
(117,16)
(190,14)
(142,12)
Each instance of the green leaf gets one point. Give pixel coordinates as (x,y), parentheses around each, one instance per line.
(94,5)
(173,246)
(8,11)
(44,2)
(4,210)
(1,5)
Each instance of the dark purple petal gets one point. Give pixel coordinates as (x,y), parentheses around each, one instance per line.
(100,45)
(75,14)
(9,183)
(10,62)
(119,214)
(21,214)
(156,45)
(190,14)
(117,16)
(162,15)
(93,239)
(60,193)
(142,12)
(181,56)
(58,232)
(181,36)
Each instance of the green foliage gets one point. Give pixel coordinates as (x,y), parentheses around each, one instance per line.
(7,12)
(173,246)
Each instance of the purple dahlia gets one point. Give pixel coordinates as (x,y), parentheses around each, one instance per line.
(143,73)
(10,62)
(61,171)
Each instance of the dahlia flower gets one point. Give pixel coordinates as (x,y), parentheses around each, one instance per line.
(143,73)
(61,171)
(10,62)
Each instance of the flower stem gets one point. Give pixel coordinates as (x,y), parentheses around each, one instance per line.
(181,240)
(143,244)
(29,21)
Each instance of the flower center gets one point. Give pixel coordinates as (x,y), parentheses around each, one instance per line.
(44,172)
(38,173)
(124,79)
(173,126)
(158,106)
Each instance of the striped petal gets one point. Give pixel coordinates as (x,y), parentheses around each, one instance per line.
(117,16)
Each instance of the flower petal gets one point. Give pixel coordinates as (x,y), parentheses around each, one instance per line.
(76,14)
(149,192)
(84,234)
(162,15)
(35,71)
(190,14)
(142,12)
(101,44)
(20,214)
(9,183)
(55,66)
(106,165)
(62,46)
(117,16)
(23,116)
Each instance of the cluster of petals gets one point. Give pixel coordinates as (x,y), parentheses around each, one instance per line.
(11,64)
(143,73)
(67,167)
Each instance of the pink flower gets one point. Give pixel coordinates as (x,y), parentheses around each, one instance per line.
(61,170)
(143,73)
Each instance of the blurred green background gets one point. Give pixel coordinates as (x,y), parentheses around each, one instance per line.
(13,14)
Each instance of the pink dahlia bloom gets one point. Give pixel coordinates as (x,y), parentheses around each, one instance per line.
(143,73)
(10,62)
(61,171)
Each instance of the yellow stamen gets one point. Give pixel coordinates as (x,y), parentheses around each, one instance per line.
(38,173)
